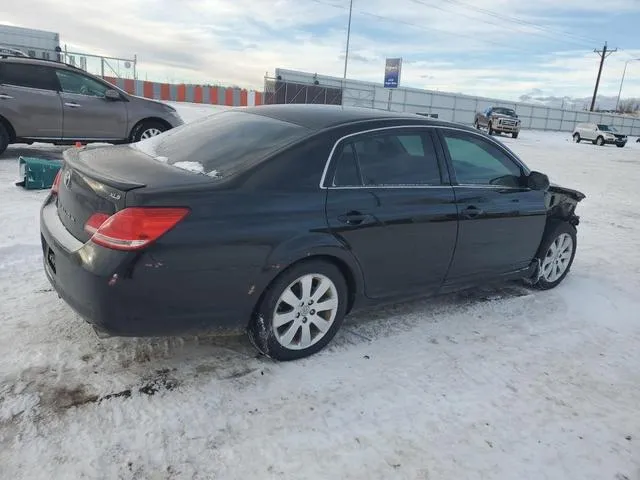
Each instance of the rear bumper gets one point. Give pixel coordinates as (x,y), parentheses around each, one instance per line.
(127,293)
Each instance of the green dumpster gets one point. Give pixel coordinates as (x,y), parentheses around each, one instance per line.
(37,173)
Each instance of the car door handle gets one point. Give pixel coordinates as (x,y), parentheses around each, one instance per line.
(353,218)
(4,96)
(72,105)
(472,212)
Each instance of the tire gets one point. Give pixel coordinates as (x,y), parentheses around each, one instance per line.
(576,137)
(491,130)
(619,146)
(599,141)
(556,237)
(147,129)
(272,339)
(515,134)
(4,138)
(476,124)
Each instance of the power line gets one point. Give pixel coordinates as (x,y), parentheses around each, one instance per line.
(416,25)
(520,21)
(501,25)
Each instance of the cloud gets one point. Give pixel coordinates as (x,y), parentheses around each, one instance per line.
(451,46)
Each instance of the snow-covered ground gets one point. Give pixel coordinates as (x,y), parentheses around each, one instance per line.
(494,384)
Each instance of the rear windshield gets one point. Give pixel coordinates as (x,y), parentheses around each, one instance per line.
(221,144)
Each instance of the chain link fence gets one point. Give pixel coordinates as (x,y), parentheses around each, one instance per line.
(101,65)
(277,91)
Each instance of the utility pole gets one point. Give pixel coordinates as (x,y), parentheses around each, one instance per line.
(603,54)
(346,53)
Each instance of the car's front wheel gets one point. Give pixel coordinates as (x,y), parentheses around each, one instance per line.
(147,129)
(556,254)
(300,312)
(600,141)
(491,130)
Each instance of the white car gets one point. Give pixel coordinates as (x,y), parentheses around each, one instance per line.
(599,134)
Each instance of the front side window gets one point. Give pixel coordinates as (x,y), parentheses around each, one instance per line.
(29,76)
(388,159)
(478,162)
(71,82)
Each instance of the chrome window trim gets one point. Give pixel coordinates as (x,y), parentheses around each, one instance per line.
(500,146)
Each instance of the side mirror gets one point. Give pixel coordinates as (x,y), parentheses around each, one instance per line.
(537,181)
(112,95)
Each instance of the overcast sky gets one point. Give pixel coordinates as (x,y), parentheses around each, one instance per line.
(469,46)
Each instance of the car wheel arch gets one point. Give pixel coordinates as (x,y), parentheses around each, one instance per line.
(10,130)
(336,256)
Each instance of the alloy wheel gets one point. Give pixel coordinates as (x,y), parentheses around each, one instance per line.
(557,258)
(150,132)
(305,311)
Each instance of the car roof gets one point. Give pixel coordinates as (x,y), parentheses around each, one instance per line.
(36,61)
(320,117)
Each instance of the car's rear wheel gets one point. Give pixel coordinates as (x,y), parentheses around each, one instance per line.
(515,134)
(556,254)
(300,312)
(4,138)
(148,129)
(476,124)
(600,141)
(576,137)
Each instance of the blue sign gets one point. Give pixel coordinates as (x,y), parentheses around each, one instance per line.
(392,69)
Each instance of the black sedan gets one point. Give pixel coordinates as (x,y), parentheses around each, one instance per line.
(282,219)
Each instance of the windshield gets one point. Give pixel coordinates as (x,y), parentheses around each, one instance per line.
(222,143)
(503,111)
(607,128)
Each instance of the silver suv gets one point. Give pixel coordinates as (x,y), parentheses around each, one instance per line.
(49,101)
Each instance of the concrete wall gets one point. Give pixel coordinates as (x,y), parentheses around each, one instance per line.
(233,97)
(457,107)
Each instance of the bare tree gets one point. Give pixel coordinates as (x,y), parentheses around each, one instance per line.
(631,105)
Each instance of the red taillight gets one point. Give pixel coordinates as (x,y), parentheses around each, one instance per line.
(56,182)
(132,228)
(95,222)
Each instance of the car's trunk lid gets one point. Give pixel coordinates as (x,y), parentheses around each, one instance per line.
(96,180)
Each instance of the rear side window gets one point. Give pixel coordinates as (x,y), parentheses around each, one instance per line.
(388,159)
(347,171)
(25,75)
(223,143)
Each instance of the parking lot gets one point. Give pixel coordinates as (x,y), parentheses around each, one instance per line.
(493,383)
